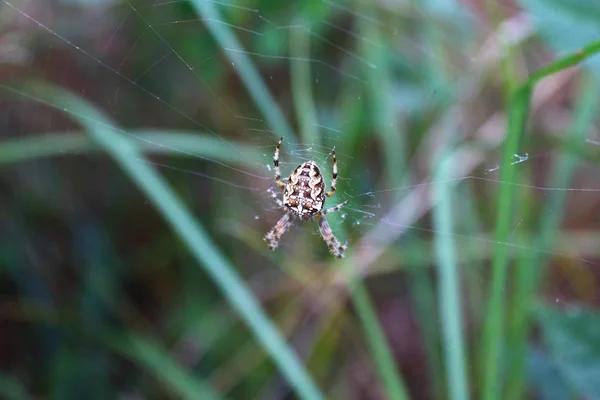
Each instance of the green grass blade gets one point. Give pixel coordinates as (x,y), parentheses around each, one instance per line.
(391,138)
(493,337)
(183,224)
(204,146)
(245,69)
(394,150)
(422,296)
(159,364)
(449,282)
(378,344)
(494,326)
(530,267)
(302,84)
(564,63)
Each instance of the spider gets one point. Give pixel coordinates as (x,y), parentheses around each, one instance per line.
(303,198)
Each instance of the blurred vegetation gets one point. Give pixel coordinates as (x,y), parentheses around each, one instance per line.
(136,149)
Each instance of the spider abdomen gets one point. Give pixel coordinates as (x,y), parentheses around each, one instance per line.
(304,193)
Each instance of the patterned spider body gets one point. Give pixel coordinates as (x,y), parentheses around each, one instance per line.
(303,198)
(304,193)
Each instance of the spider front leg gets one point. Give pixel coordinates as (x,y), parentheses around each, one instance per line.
(275,197)
(335,247)
(274,236)
(278,182)
(334,208)
(334,176)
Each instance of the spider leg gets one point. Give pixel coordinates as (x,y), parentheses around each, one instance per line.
(275,197)
(334,177)
(333,209)
(278,182)
(272,238)
(335,247)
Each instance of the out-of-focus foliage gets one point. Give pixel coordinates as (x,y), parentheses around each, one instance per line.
(567,26)
(133,199)
(572,338)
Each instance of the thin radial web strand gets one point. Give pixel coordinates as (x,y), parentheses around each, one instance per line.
(153,30)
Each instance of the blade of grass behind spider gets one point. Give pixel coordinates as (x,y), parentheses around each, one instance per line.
(380,349)
(423,301)
(530,267)
(381,352)
(435,71)
(494,323)
(184,225)
(517,101)
(377,342)
(374,48)
(301,83)
(471,256)
(448,277)
(203,146)
(394,160)
(241,62)
(393,147)
(493,338)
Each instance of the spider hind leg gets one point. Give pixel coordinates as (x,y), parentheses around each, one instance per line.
(336,248)
(274,236)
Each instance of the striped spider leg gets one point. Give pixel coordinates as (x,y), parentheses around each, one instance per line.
(274,236)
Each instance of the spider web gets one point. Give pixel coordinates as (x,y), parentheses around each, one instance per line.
(135,45)
(129,28)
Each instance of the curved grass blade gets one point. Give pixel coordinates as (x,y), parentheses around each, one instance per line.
(148,141)
(564,63)
(382,354)
(183,224)
(449,281)
(531,264)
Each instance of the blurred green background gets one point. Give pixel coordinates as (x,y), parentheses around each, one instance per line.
(136,145)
